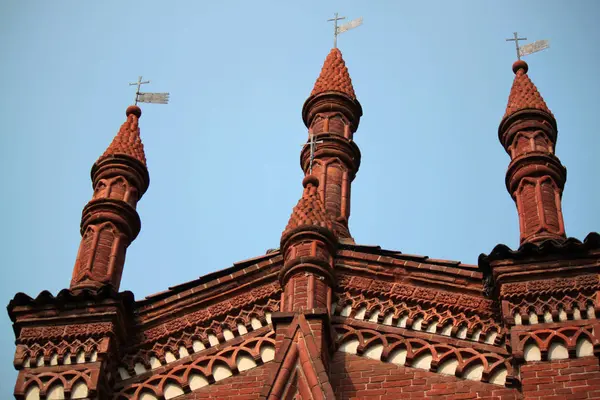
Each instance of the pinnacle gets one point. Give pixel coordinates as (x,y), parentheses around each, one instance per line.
(310,210)
(334,76)
(524,94)
(128,140)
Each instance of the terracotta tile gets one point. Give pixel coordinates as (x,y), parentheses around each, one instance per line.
(334,76)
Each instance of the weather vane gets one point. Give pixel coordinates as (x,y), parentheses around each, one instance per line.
(313,146)
(341,29)
(158,98)
(528,48)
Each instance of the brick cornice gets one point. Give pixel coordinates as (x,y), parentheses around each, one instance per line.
(328,102)
(534,164)
(214,294)
(412,270)
(196,314)
(122,165)
(525,119)
(419,295)
(243,271)
(336,147)
(549,261)
(71,316)
(118,212)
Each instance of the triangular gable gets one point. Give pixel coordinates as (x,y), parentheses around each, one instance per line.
(298,367)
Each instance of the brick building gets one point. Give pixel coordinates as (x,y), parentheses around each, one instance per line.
(323,317)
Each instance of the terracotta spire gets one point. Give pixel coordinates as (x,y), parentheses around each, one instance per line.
(334,76)
(110,221)
(308,247)
(128,141)
(523,94)
(535,178)
(310,210)
(332,114)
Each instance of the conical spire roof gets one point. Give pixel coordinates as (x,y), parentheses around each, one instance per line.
(128,140)
(310,210)
(524,94)
(334,76)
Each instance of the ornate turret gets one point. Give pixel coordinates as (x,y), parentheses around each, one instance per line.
(308,247)
(110,221)
(332,114)
(535,178)
(305,338)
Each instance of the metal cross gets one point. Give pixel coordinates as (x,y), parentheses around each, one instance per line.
(335,28)
(516,40)
(139,84)
(313,145)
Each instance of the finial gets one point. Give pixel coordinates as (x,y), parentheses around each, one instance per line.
(530,48)
(341,29)
(520,64)
(159,98)
(135,110)
(310,180)
(516,40)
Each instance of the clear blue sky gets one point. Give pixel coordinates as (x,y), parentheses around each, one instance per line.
(433,78)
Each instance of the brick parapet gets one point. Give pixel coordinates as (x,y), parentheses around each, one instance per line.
(70,338)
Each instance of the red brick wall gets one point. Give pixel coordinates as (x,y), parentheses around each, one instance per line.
(561,379)
(244,386)
(360,378)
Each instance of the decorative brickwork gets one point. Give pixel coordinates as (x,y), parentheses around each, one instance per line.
(310,210)
(535,177)
(332,115)
(523,94)
(355,377)
(128,141)
(334,76)
(110,221)
(207,333)
(199,370)
(323,317)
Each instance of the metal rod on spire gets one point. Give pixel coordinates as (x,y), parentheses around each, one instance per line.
(343,28)
(516,40)
(335,28)
(139,84)
(313,146)
(158,98)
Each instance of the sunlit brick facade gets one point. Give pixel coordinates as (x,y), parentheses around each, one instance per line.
(322,317)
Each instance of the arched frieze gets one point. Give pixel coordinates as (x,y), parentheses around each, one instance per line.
(202,369)
(465,362)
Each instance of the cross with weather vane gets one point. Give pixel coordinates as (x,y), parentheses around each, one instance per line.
(341,29)
(158,98)
(528,48)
